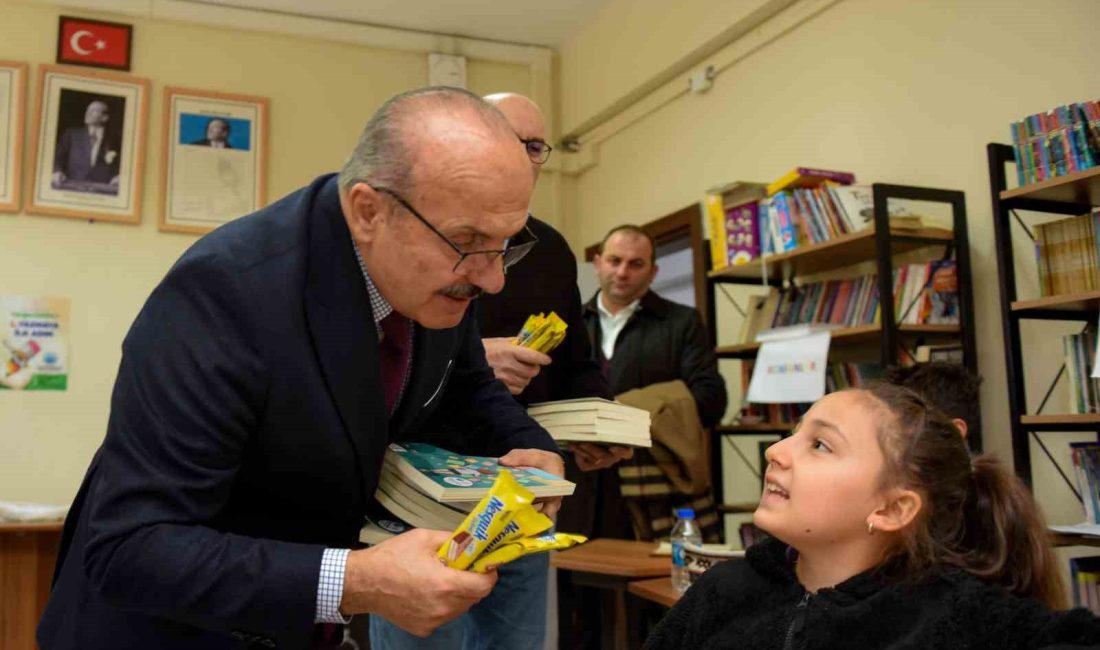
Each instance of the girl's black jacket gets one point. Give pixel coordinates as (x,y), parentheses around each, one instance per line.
(759,604)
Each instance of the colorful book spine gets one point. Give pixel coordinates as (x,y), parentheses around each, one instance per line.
(716,224)
(742,227)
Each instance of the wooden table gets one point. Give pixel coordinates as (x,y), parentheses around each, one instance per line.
(657,590)
(611,565)
(27,556)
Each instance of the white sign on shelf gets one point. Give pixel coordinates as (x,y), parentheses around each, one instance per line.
(790,365)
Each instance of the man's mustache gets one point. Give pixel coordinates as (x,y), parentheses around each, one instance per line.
(461,291)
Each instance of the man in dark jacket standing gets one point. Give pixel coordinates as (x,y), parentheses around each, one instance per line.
(262,381)
(644,338)
(639,339)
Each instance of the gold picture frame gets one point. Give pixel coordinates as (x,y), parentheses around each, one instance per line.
(89,145)
(13,96)
(214,158)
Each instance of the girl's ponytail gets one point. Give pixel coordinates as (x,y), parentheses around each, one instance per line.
(1005,539)
(978,516)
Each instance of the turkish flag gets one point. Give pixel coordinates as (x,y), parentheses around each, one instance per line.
(93,43)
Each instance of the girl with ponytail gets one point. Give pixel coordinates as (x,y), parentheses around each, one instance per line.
(885,533)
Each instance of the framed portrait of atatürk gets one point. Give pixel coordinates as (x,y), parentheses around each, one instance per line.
(89,145)
(214,166)
(13,83)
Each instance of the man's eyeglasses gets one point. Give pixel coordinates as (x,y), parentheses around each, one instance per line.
(537,149)
(512,252)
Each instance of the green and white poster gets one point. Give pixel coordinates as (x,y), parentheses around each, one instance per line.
(34,343)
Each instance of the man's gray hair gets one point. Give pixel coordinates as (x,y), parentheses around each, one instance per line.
(384,154)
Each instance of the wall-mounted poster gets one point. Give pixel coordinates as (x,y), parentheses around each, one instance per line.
(34,343)
(89,145)
(13,80)
(215,159)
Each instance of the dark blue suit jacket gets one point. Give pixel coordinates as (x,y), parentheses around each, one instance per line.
(74,153)
(247,432)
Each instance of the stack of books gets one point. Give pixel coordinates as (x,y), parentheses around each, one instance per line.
(593,420)
(1059,142)
(424,486)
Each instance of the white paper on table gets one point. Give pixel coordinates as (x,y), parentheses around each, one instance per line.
(1095,359)
(791,368)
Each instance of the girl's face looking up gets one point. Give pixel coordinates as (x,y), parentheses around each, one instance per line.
(823,482)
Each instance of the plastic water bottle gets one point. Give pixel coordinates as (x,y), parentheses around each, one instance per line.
(686,531)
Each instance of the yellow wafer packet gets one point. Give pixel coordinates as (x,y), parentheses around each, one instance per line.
(485,521)
(517,548)
(527,522)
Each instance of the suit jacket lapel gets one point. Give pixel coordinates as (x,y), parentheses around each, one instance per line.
(342,328)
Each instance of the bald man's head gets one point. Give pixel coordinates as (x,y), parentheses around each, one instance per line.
(528,123)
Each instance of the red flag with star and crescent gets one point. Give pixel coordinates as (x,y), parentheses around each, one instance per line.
(94,43)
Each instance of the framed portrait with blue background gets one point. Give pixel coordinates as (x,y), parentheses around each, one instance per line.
(215,159)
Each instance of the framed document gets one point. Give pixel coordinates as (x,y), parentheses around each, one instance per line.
(215,159)
(13,83)
(89,143)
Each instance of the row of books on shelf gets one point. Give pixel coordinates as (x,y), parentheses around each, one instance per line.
(746,221)
(1085,579)
(1061,141)
(925,293)
(1067,254)
(1084,390)
(838,376)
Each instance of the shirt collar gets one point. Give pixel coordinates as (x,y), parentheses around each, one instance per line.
(625,312)
(378,304)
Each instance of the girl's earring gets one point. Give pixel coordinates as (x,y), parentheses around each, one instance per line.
(870,528)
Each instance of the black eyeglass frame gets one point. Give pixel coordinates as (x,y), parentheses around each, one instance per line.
(509,255)
(545,148)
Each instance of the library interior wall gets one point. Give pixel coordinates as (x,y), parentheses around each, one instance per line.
(896,91)
(321,94)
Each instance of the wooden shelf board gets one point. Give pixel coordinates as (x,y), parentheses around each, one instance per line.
(1079,187)
(1062,418)
(1084,301)
(737,508)
(861,334)
(762,427)
(840,252)
(1062,539)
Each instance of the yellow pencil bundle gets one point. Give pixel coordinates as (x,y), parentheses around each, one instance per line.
(542,333)
(503,527)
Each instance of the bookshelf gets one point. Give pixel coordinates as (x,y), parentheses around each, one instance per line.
(1069,195)
(879,245)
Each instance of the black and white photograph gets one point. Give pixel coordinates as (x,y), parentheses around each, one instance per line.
(89,145)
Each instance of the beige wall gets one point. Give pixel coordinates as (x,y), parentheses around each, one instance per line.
(321,94)
(896,91)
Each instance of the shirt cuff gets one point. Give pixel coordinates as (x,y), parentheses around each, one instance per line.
(330,586)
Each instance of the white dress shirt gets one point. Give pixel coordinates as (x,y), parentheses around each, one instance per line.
(612,324)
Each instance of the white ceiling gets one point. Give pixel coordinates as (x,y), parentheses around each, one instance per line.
(530,22)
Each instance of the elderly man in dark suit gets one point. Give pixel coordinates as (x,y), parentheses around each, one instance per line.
(87,153)
(262,381)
